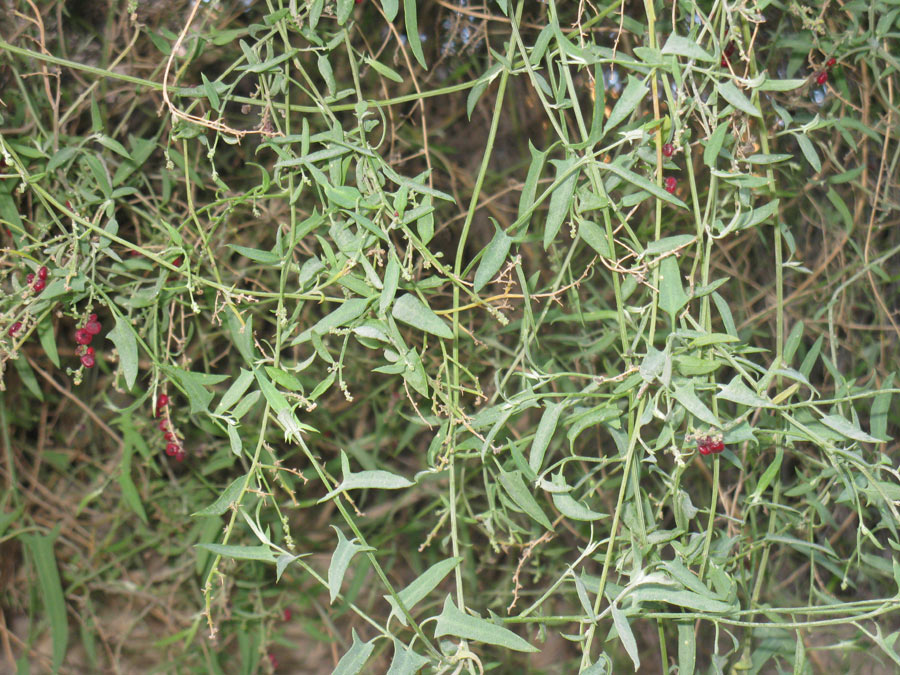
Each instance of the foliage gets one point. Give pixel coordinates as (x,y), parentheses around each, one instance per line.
(444,301)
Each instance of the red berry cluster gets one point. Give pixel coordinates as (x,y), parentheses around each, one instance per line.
(14,328)
(671,184)
(822,75)
(668,150)
(83,337)
(729,50)
(173,449)
(710,446)
(38,283)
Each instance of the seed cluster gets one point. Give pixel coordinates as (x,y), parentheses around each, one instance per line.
(84,336)
(38,283)
(173,448)
(710,446)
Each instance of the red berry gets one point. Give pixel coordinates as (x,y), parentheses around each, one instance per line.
(822,77)
(39,285)
(830,63)
(171,449)
(87,360)
(93,327)
(717,447)
(83,337)
(29,278)
(273,660)
(671,183)
(163,425)
(180,455)
(177,261)
(162,401)
(729,50)
(287,614)
(169,436)
(92,317)
(43,272)
(14,328)
(668,150)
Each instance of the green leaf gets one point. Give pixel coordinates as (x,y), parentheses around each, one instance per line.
(235,391)
(630,99)
(198,395)
(126,484)
(529,189)
(848,429)
(48,340)
(681,598)
(520,493)
(382,69)
(353,661)
(685,395)
(687,648)
(412,31)
(405,661)
(738,392)
(375,479)
(260,553)
(224,500)
(340,561)
(595,237)
(642,183)
(265,257)
(421,587)
(668,244)
(492,260)
(671,292)
(41,549)
(327,74)
(344,7)
(768,475)
(389,284)
(809,151)
(573,509)
(561,199)
(736,97)
(543,435)
(714,145)
(234,438)
(390,8)
(454,622)
(881,405)
(123,338)
(689,49)
(626,636)
(411,310)
(210,92)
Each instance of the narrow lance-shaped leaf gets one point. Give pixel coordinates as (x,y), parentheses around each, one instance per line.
(122,337)
(340,561)
(454,622)
(410,310)
(561,199)
(492,260)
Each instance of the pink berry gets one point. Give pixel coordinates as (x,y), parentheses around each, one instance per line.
(830,63)
(43,272)
(92,317)
(14,328)
(180,455)
(29,278)
(83,337)
(93,327)
(822,77)
(671,183)
(171,449)
(163,425)
(87,360)
(39,285)
(668,150)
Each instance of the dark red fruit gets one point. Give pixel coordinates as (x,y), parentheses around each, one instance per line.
(668,150)
(29,278)
(43,272)
(162,401)
(83,337)
(172,449)
(180,455)
(14,328)
(287,614)
(830,63)
(163,425)
(716,447)
(39,285)
(93,327)
(169,436)
(273,660)
(822,77)
(92,317)
(671,184)
(87,360)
